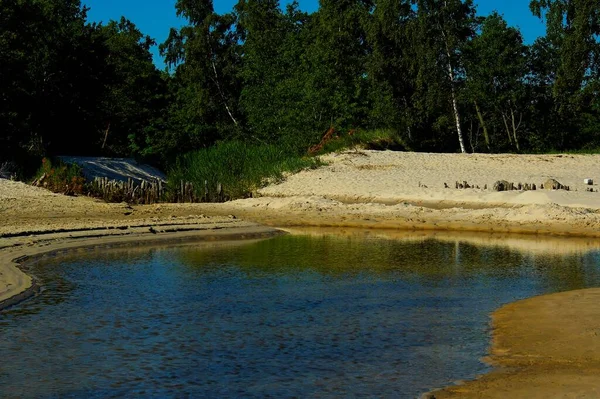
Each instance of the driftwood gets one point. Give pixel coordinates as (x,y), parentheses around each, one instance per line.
(463,185)
(40,181)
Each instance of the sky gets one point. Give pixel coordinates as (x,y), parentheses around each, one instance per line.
(156,17)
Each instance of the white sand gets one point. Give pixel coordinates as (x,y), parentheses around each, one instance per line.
(406,191)
(393,177)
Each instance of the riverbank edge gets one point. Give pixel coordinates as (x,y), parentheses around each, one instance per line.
(14,259)
(543,346)
(459,218)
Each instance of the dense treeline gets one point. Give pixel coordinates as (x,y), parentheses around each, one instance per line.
(431,71)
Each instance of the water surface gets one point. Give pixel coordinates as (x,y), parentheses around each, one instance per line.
(294,316)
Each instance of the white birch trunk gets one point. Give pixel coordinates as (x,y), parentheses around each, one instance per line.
(515,127)
(216,80)
(223,99)
(461,141)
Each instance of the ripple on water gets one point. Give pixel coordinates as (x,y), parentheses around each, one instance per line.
(294,316)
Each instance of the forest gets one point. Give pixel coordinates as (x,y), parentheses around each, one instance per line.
(431,74)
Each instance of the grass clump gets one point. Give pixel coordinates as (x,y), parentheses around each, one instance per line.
(378,139)
(238,167)
(59,177)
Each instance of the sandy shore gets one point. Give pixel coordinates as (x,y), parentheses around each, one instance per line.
(35,222)
(391,178)
(406,190)
(376,190)
(362,189)
(543,347)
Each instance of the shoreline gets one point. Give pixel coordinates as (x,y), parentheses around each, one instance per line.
(544,346)
(324,212)
(18,286)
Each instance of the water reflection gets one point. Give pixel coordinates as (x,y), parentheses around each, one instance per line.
(356,314)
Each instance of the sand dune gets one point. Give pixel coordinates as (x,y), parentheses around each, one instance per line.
(388,177)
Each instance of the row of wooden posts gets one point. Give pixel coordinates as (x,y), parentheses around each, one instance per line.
(145,192)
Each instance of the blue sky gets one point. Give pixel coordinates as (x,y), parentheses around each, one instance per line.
(156,17)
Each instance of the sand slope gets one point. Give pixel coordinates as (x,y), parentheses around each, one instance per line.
(393,177)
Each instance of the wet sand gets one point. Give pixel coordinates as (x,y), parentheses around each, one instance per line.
(542,347)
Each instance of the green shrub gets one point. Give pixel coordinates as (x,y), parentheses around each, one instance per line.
(379,139)
(60,178)
(238,167)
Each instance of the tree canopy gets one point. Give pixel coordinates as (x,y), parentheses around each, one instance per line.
(433,72)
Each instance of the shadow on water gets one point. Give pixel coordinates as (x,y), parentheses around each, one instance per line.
(316,314)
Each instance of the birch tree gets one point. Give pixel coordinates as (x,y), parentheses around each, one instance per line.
(495,65)
(442,29)
(205,58)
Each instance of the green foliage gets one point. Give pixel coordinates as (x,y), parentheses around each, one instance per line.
(134,90)
(240,168)
(59,177)
(439,32)
(337,59)
(47,76)
(390,104)
(401,73)
(377,139)
(66,83)
(572,51)
(496,68)
(274,97)
(205,56)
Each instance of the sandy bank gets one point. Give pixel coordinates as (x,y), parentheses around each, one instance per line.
(543,347)
(419,178)
(15,285)
(34,221)
(362,189)
(407,191)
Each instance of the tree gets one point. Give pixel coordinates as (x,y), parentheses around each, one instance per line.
(391,85)
(496,70)
(441,29)
(49,76)
(262,27)
(205,86)
(573,27)
(134,90)
(337,59)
